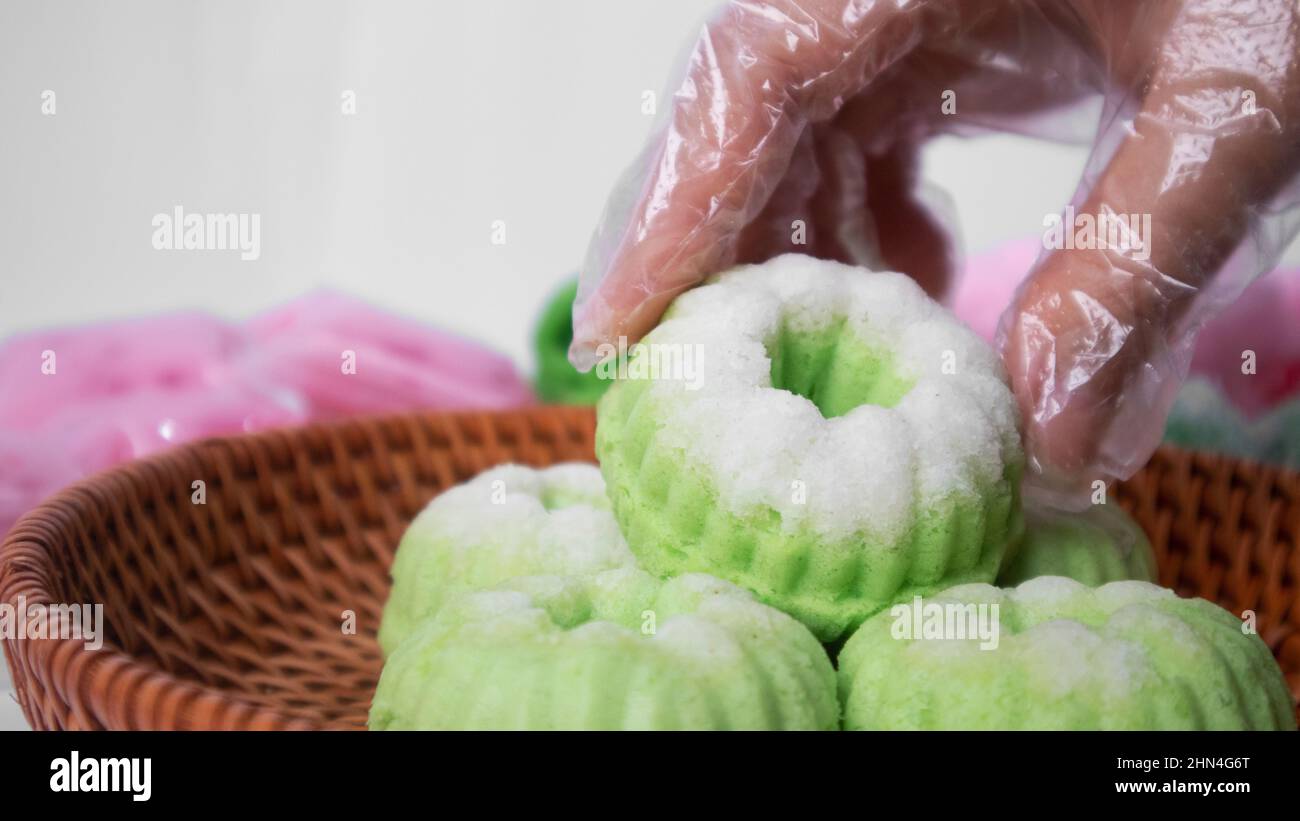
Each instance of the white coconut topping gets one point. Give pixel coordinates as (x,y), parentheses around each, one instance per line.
(866,470)
(504,508)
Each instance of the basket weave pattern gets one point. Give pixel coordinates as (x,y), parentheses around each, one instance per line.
(233,614)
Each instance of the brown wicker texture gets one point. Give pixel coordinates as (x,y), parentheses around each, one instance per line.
(230,614)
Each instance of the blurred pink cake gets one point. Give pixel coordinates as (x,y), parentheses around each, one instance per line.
(78,400)
(1264,320)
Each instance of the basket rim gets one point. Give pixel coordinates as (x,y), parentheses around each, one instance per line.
(25,569)
(63,666)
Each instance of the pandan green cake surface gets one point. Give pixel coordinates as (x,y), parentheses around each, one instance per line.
(618,650)
(1126,655)
(509,521)
(843,443)
(1203,418)
(1099,545)
(516,604)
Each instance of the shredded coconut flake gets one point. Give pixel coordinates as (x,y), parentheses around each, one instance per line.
(954,432)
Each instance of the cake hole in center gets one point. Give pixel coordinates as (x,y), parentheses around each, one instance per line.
(834,369)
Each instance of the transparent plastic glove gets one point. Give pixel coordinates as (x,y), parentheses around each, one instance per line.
(811,114)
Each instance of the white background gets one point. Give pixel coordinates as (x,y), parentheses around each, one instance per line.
(468,112)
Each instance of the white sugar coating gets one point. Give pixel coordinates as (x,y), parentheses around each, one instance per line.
(1048,592)
(1175,633)
(1056,650)
(1064,655)
(940,459)
(702,584)
(989,392)
(487,603)
(862,472)
(575,481)
(868,469)
(1120,668)
(1058,655)
(623,583)
(565,598)
(947,654)
(1120,604)
(1045,595)
(500,612)
(941,347)
(694,638)
(547,586)
(505,507)
(580,540)
(974,593)
(699,617)
(1116,595)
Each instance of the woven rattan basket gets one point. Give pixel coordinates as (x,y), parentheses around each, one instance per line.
(233,613)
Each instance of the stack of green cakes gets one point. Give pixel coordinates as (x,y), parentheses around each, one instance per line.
(807,516)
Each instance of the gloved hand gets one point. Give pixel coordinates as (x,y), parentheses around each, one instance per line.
(811,113)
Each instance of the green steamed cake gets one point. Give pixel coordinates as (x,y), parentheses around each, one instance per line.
(508,521)
(516,604)
(1202,418)
(1102,544)
(827,437)
(1278,434)
(557,380)
(617,650)
(1124,656)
